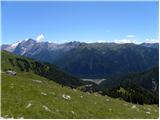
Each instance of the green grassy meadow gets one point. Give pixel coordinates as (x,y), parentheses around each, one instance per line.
(27,95)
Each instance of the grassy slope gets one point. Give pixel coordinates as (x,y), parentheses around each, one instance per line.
(22,64)
(19,91)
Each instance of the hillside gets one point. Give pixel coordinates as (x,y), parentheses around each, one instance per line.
(29,95)
(91,60)
(136,87)
(21,64)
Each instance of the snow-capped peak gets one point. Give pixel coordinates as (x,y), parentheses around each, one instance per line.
(12,47)
(16,44)
(26,39)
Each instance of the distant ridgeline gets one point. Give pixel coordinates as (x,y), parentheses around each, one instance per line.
(94,60)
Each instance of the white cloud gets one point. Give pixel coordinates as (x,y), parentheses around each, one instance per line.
(26,39)
(148,40)
(89,42)
(49,41)
(40,38)
(130,36)
(127,39)
(98,41)
(122,41)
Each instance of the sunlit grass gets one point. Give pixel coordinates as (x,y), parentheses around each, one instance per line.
(44,98)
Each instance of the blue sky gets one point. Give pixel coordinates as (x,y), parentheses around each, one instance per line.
(80,21)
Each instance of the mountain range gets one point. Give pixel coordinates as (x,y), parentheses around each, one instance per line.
(128,72)
(90,60)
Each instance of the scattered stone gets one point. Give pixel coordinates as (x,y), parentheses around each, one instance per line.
(67,97)
(107,100)
(57,110)
(148,112)
(155,110)
(43,93)
(37,81)
(134,107)
(96,94)
(88,93)
(74,90)
(81,96)
(29,105)
(110,109)
(11,73)
(72,112)
(46,108)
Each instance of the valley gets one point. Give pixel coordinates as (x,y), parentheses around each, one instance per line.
(66,89)
(97,81)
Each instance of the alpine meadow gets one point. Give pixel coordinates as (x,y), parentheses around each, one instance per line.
(90,60)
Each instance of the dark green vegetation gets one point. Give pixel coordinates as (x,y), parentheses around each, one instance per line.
(91,60)
(137,88)
(29,95)
(98,60)
(21,64)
